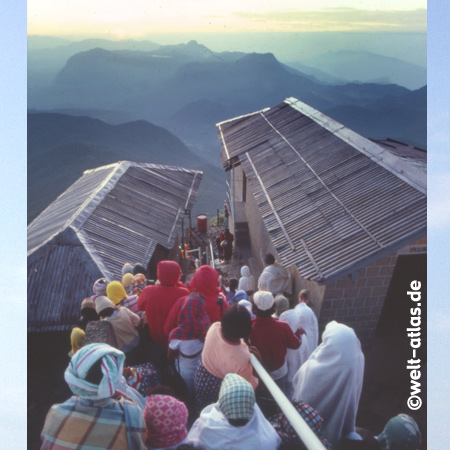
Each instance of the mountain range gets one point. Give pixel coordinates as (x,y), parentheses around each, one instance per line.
(161,104)
(61,147)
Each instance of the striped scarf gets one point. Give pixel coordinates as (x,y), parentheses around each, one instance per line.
(111,365)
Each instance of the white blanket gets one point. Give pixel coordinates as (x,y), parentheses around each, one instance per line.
(331,380)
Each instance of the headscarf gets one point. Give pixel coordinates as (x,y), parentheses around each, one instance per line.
(248,305)
(116,292)
(76,340)
(111,365)
(339,365)
(236,397)
(102,303)
(126,282)
(193,321)
(165,419)
(139,268)
(281,304)
(139,282)
(246,282)
(127,268)
(205,281)
(400,433)
(99,287)
(308,321)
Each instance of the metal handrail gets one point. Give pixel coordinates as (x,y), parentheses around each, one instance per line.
(311,441)
(211,255)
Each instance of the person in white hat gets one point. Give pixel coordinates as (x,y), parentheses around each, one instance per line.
(272,338)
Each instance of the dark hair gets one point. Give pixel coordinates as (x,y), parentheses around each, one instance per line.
(161,389)
(236,322)
(139,268)
(269,259)
(238,422)
(89,314)
(95,373)
(107,312)
(234,283)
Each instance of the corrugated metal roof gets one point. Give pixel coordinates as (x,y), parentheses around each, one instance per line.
(331,200)
(111,215)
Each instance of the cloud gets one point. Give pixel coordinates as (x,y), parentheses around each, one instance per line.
(342,19)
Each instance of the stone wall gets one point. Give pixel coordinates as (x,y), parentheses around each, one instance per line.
(358,302)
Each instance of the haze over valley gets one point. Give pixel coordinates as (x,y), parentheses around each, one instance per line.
(93,102)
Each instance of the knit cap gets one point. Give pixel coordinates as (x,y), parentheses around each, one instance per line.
(88,303)
(116,292)
(102,303)
(100,286)
(165,418)
(76,339)
(127,280)
(127,268)
(263,300)
(138,268)
(236,397)
(138,284)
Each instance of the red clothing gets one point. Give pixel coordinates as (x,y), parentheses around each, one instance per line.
(205,282)
(158,300)
(272,338)
(226,243)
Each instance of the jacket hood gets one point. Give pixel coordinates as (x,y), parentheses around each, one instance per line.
(168,272)
(205,281)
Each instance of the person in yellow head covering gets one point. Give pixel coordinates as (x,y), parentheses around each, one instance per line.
(76,340)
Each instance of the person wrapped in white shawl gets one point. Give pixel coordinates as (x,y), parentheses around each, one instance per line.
(235,422)
(331,381)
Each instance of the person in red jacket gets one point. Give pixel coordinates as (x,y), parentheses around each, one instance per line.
(272,338)
(157,300)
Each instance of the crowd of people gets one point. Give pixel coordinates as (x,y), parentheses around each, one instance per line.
(164,365)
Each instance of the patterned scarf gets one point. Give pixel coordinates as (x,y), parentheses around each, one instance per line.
(193,321)
(111,365)
(166,419)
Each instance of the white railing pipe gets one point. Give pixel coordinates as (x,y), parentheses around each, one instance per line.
(311,441)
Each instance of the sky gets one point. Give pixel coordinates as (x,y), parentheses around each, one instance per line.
(50,17)
(139,18)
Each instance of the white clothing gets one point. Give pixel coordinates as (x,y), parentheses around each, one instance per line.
(190,347)
(213,431)
(281,372)
(308,321)
(275,279)
(295,358)
(246,282)
(331,380)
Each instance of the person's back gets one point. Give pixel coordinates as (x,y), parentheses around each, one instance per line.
(235,422)
(308,320)
(275,277)
(158,300)
(96,416)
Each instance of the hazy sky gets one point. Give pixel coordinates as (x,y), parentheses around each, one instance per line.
(138,18)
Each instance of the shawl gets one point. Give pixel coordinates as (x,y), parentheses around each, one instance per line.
(339,365)
(113,423)
(111,366)
(278,282)
(246,282)
(308,321)
(193,321)
(213,431)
